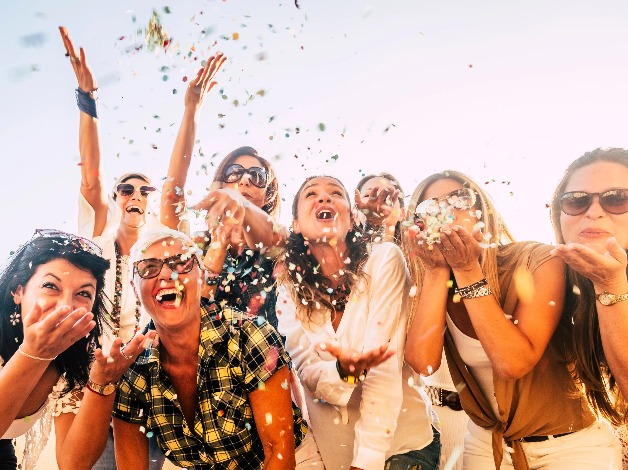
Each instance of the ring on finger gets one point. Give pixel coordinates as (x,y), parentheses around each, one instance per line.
(124,355)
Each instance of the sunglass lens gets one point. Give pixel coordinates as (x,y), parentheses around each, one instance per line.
(575,203)
(182,266)
(146,190)
(125,189)
(149,268)
(615,201)
(258,177)
(233,173)
(462,199)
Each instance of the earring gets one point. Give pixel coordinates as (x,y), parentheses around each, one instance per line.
(16,316)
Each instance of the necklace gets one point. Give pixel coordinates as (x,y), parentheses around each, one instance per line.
(117,297)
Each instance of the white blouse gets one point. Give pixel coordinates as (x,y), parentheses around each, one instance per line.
(374,315)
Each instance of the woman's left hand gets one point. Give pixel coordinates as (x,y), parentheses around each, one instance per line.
(84,76)
(378,204)
(606,271)
(355,363)
(110,369)
(460,248)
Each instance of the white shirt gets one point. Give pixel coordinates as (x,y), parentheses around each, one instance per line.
(86,221)
(366,414)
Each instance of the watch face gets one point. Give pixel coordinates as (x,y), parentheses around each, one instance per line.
(108,389)
(605,298)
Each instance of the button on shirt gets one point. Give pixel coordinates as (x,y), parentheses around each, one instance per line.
(235,358)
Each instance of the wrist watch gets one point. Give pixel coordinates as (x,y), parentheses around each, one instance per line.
(606,298)
(104,390)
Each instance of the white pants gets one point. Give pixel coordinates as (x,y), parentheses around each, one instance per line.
(595,447)
(307,455)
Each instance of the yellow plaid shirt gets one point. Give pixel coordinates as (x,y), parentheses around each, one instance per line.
(234,358)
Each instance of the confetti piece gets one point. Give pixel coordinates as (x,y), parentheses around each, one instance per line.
(576,290)
(269,419)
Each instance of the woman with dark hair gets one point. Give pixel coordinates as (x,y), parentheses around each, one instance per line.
(51,308)
(589,213)
(380,207)
(341,309)
(242,211)
(499,303)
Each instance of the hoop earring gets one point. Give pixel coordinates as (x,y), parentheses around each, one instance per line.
(16,317)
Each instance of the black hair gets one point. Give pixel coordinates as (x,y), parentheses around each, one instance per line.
(74,362)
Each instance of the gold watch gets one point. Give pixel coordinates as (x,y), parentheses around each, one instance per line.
(606,298)
(104,390)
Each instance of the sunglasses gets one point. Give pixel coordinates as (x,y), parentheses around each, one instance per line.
(462,199)
(126,189)
(151,267)
(67,239)
(234,173)
(613,201)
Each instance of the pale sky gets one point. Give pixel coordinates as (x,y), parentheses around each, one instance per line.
(508,92)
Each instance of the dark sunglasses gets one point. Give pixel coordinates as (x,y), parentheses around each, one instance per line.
(234,173)
(67,239)
(461,199)
(613,201)
(151,267)
(126,189)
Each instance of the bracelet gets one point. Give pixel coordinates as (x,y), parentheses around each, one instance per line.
(45,359)
(86,103)
(477,289)
(350,379)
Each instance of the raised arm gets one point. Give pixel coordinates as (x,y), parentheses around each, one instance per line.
(514,346)
(92,180)
(424,344)
(608,274)
(172,196)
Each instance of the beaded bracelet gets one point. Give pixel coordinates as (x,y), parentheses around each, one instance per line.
(86,103)
(350,379)
(45,359)
(211,278)
(477,289)
(375,232)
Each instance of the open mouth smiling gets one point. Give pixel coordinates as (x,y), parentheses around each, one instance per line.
(169,297)
(325,214)
(134,209)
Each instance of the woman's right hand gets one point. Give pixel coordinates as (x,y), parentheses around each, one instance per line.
(431,255)
(204,81)
(84,76)
(355,363)
(110,369)
(47,337)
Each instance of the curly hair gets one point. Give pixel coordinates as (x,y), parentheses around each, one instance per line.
(74,362)
(301,273)
(580,318)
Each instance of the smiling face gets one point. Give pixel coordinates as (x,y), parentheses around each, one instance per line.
(57,283)
(444,186)
(172,298)
(133,207)
(323,210)
(251,192)
(595,225)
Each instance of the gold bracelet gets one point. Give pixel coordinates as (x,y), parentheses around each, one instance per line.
(45,359)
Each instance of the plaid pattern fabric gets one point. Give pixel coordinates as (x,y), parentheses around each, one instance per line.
(235,358)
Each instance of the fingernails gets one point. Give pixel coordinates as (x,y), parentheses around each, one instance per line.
(147,342)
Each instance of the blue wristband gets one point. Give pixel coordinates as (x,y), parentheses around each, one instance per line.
(86,103)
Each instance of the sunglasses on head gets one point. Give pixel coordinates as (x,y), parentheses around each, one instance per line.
(461,199)
(65,239)
(127,189)
(613,201)
(234,173)
(151,267)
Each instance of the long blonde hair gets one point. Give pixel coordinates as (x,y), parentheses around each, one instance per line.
(493,224)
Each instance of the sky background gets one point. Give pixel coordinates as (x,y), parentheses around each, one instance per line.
(507,92)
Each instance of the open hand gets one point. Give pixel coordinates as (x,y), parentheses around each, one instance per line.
(84,76)
(49,336)
(460,248)
(378,204)
(355,363)
(204,81)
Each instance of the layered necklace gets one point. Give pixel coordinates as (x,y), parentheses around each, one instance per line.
(117,297)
